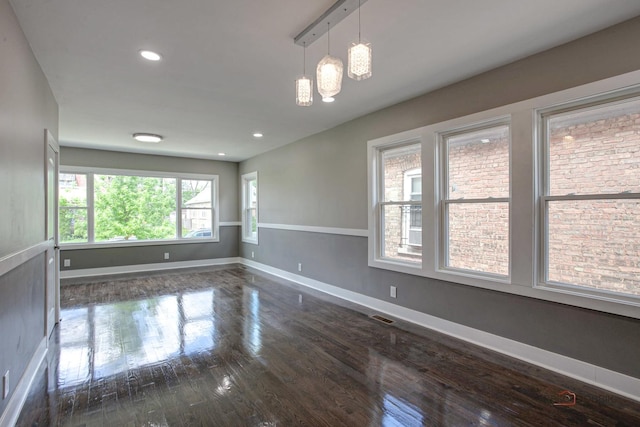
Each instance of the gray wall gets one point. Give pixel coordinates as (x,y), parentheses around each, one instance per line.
(322,181)
(110,257)
(27,107)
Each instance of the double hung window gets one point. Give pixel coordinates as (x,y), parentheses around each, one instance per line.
(475,199)
(591,195)
(399,203)
(250,207)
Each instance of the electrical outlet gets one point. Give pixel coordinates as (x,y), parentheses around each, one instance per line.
(166,255)
(393,292)
(67,263)
(5,385)
(299,266)
(253,255)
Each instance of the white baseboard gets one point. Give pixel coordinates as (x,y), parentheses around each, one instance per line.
(604,378)
(21,392)
(141,268)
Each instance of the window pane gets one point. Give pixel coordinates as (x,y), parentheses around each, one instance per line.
(595,150)
(479,237)
(72,203)
(72,225)
(396,163)
(73,189)
(402,227)
(251,225)
(196,193)
(596,244)
(478,164)
(250,206)
(196,223)
(134,208)
(253,192)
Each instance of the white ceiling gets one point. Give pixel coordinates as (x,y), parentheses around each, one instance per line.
(229,66)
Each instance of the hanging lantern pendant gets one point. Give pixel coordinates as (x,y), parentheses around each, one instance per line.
(359,57)
(304,85)
(329,74)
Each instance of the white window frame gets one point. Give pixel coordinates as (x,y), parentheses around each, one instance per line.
(445,201)
(248,236)
(526,223)
(377,204)
(544,196)
(91,172)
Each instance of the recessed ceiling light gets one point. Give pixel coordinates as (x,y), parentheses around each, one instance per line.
(328,99)
(147,137)
(150,55)
(257,135)
(222,154)
(485,140)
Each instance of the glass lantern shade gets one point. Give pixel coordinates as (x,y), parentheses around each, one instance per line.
(304,91)
(329,76)
(359,61)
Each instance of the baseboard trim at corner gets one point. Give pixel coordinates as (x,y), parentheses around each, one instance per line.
(143,268)
(12,411)
(607,379)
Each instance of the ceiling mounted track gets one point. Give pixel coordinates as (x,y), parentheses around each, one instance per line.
(336,13)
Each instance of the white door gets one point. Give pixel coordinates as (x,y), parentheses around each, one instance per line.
(52,289)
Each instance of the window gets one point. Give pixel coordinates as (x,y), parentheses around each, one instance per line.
(475,199)
(412,220)
(540,198)
(196,208)
(591,199)
(250,207)
(399,203)
(128,206)
(73,211)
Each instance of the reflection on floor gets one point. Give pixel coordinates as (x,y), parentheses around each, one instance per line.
(233,347)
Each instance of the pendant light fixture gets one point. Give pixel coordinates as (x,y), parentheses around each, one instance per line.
(304,85)
(329,73)
(359,57)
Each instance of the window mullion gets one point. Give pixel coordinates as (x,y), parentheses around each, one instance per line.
(91,208)
(179,208)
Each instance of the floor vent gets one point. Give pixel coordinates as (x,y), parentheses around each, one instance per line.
(382,319)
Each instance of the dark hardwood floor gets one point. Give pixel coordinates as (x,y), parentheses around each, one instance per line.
(230,346)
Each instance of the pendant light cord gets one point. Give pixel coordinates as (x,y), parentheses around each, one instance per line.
(304,59)
(328,38)
(359,39)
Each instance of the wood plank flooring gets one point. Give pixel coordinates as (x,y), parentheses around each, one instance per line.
(230,346)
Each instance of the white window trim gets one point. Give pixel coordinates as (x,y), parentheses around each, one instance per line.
(443,201)
(543,282)
(376,198)
(90,172)
(245,180)
(525,210)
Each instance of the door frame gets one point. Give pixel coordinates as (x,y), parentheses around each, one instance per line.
(51,236)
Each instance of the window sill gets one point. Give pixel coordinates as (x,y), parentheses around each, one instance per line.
(134,243)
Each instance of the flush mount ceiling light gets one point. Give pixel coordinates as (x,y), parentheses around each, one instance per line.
(359,57)
(222,154)
(329,73)
(147,137)
(150,55)
(304,85)
(258,135)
